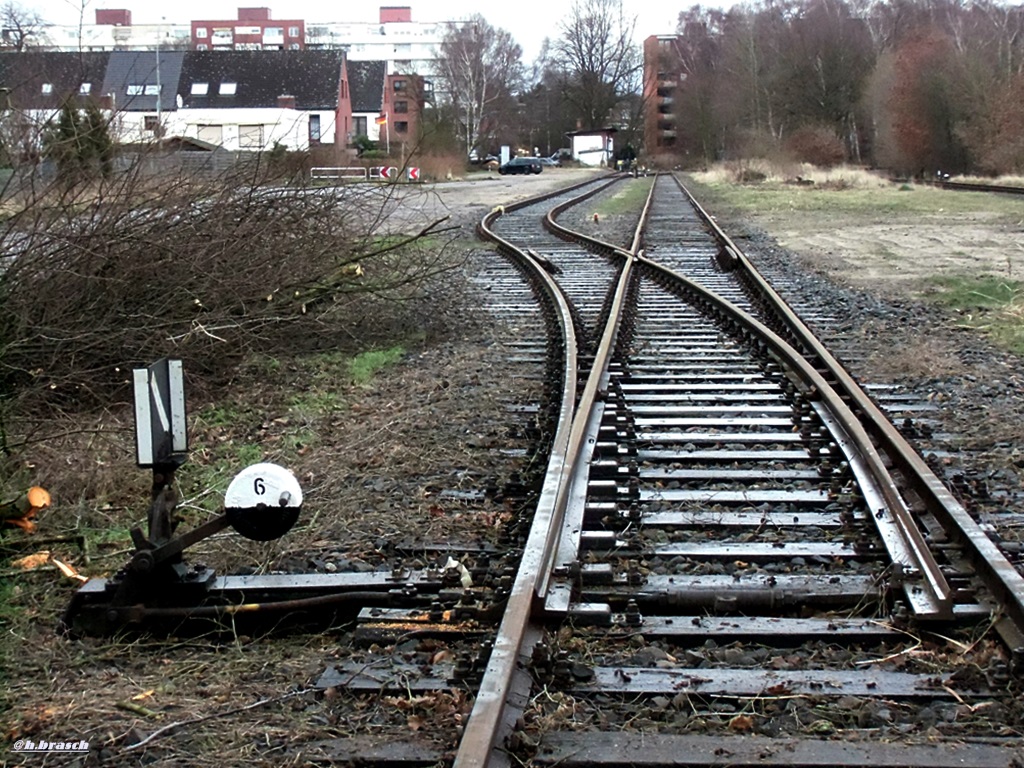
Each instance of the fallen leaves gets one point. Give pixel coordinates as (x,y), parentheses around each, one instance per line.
(434,709)
(741,724)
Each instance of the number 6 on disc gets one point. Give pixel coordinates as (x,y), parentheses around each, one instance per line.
(263,502)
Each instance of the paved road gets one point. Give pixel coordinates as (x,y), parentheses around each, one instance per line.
(467,201)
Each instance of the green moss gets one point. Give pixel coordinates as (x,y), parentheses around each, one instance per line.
(317,402)
(364,365)
(629,197)
(984,292)
(987,303)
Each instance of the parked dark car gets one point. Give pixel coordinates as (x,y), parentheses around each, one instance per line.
(521,165)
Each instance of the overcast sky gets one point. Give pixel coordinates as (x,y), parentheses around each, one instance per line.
(529,21)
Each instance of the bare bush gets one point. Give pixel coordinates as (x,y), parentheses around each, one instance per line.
(817,145)
(102,276)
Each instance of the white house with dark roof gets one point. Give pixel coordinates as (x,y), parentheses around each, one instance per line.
(239,100)
(366,83)
(252,100)
(35,86)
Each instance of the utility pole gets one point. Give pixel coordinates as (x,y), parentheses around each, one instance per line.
(159,31)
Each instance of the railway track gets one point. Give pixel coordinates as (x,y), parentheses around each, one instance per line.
(729,503)
(721,552)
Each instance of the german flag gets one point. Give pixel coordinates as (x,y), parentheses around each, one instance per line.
(382,119)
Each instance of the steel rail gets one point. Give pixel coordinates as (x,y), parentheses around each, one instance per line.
(478,739)
(596,380)
(534,574)
(963,186)
(999,574)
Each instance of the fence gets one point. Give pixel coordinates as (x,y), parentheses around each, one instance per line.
(340,173)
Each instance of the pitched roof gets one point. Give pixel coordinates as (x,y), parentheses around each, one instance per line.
(312,77)
(45,79)
(130,72)
(366,85)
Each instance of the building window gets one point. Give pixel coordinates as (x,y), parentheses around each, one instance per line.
(250,136)
(401,126)
(273,32)
(293,31)
(399,85)
(85,88)
(359,126)
(150,123)
(47,88)
(153,90)
(294,46)
(213,134)
(200,89)
(401,107)
(201,47)
(135,90)
(201,32)
(228,89)
(314,129)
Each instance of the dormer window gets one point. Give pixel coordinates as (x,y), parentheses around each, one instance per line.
(85,88)
(47,89)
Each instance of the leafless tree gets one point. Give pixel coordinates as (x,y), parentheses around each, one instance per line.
(600,59)
(21,26)
(695,54)
(481,69)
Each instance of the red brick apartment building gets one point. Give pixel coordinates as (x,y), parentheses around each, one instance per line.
(662,75)
(403,103)
(253,30)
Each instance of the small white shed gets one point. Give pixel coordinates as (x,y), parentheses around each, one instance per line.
(595,147)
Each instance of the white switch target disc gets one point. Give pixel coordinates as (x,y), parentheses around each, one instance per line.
(263,501)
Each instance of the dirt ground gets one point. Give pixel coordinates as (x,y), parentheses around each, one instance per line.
(894,256)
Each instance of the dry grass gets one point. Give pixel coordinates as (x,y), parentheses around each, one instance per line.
(851,177)
(841,177)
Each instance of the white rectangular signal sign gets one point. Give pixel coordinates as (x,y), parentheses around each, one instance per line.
(160,431)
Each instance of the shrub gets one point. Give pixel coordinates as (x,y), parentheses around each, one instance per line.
(104,277)
(816,145)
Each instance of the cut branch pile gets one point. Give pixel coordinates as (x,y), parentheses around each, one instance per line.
(99,278)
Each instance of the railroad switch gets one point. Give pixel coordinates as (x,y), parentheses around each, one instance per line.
(157,588)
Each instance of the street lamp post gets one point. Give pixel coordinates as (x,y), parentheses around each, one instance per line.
(159,31)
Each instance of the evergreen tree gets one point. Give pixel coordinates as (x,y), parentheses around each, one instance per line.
(80,144)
